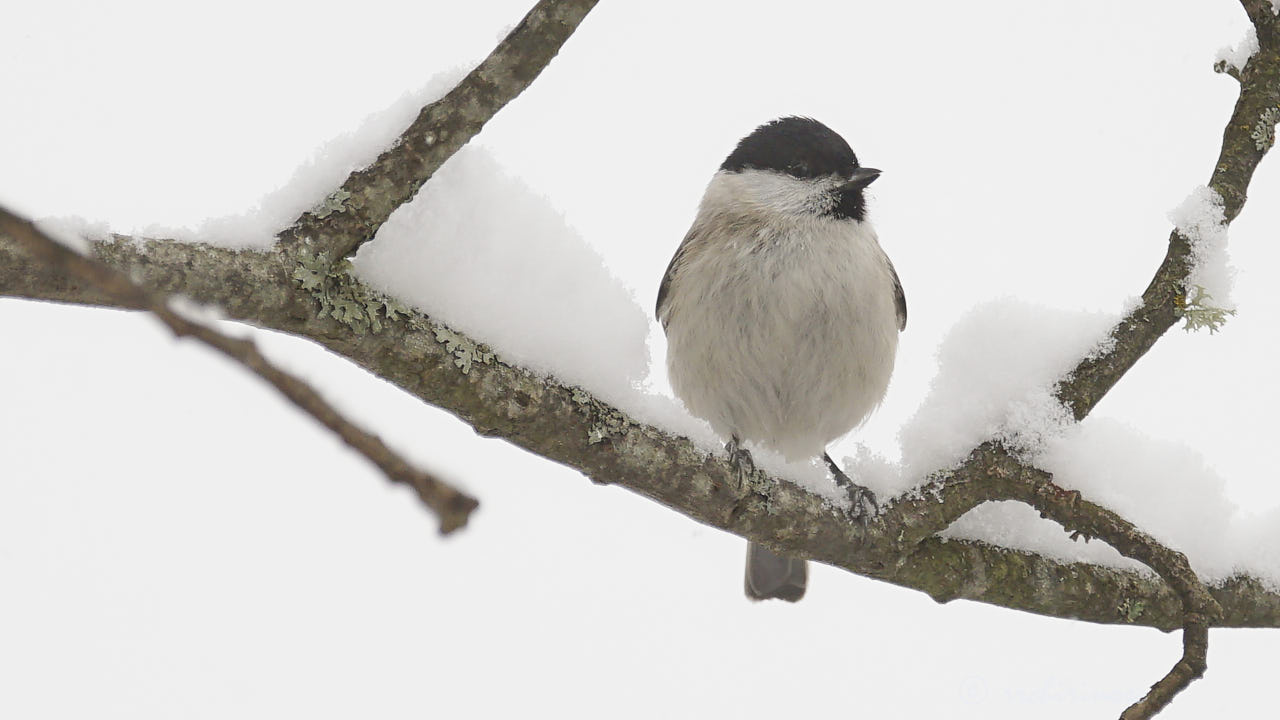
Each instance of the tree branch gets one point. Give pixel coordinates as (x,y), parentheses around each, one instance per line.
(1131,338)
(1199,609)
(564,424)
(369,196)
(1164,298)
(569,426)
(450,506)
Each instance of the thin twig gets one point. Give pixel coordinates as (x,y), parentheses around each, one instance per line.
(1199,609)
(1195,647)
(451,506)
(1162,301)
(370,195)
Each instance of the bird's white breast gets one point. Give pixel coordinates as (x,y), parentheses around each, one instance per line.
(781,326)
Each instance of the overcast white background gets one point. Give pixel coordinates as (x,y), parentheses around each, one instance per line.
(175,542)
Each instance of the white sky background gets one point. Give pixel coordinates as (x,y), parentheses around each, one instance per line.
(174,541)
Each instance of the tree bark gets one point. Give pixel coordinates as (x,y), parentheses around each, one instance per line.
(302,287)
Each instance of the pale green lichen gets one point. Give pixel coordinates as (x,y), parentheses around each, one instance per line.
(343,297)
(606,422)
(1131,610)
(1199,314)
(335,202)
(465,351)
(1264,133)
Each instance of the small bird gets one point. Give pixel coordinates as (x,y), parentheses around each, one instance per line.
(782,312)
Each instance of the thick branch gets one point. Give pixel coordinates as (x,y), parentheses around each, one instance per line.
(369,196)
(1262,13)
(564,425)
(568,426)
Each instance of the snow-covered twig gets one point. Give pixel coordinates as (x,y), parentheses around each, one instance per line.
(353,213)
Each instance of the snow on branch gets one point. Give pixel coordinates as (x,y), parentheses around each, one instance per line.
(495,390)
(355,211)
(302,290)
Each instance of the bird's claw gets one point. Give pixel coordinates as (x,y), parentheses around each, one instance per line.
(862,500)
(740,460)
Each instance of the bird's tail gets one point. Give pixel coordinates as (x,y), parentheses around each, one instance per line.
(770,575)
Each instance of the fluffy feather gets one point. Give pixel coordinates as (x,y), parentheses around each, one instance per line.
(781,320)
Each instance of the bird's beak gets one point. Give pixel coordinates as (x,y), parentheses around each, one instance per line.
(861,178)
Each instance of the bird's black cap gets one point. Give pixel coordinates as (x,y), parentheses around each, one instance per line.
(798,146)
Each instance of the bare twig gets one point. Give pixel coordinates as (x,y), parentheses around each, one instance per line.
(369,196)
(1195,647)
(1199,609)
(451,506)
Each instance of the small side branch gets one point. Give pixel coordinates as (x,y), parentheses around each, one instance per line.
(1199,609)
(372,194)
(1161,305)
(451,506)
(1195,647)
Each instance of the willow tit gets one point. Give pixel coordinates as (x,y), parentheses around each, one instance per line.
(781,311)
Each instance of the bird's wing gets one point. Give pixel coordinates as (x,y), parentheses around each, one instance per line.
(899,298)
(668,277)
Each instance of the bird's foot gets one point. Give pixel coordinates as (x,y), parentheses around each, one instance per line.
(740,460)
(863,500)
